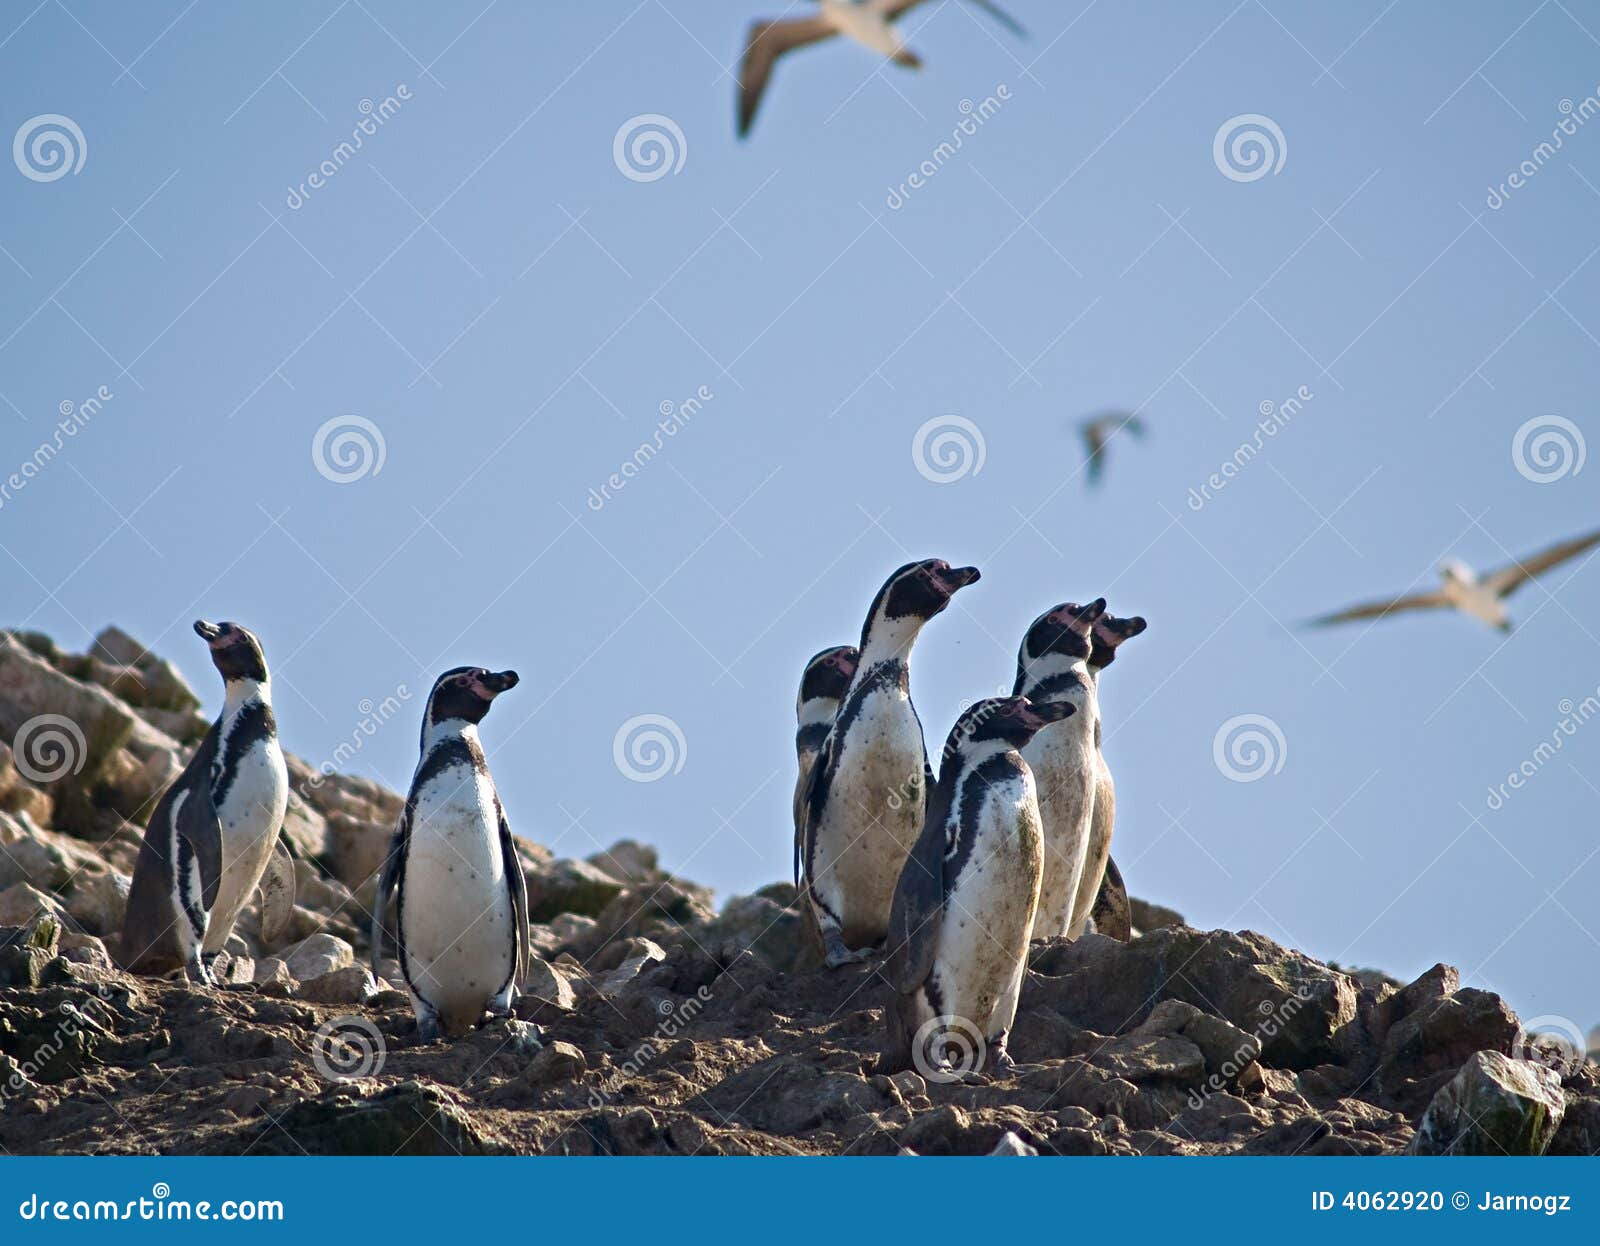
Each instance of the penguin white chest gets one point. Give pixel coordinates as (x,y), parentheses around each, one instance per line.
(1065,767)
(250,813)
(874,811)
(456,910)
(989,911)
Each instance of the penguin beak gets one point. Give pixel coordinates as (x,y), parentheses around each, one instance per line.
(208,632)
(1039,715)
(1093,610)
(958,578)
(1133,626)
(494,685)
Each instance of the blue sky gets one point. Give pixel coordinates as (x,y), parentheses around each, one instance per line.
(483,284)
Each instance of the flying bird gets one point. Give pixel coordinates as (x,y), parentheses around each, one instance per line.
(1097,430)
(1463,589)
(868,22)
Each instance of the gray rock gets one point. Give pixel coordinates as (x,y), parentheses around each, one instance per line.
(317,955)
(1493,1106)
(629,862)
(1010,1144)
(116,647)
(557,1062)
(569,886)
(759,925)
(547,984)
(351,984)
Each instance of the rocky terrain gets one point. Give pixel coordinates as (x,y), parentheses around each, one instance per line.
(653,1024)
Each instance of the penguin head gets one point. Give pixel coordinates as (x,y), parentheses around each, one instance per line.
(235,651)
(829,673)
(1109,632)
(1011,721)
(466,692)
(1065,629)
(917,592)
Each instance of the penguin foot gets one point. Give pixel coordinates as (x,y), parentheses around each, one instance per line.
(428,1029)
(996,1059)
(838,954)
(199,973)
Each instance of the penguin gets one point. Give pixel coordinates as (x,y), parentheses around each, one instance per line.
(452,901)
(1113,915)
(1052,665)
(1109,632)
(214,834)
(823,685)
(965,902)
(864,801)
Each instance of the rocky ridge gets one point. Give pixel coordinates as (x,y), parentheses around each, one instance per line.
(653,1023)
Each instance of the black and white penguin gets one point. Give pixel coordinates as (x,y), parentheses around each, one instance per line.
(1053,665)
(452,901)
(1109,632)
(965,902)
(863,804)
(822,687)
(215,831)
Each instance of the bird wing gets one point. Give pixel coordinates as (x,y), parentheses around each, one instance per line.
(385,931)
(767,42)
(893,9)
(1505,580)
(1094,438)
(1111,912)
(195,818)
(277,889)
(918,908)
(521,940)
(1377,609)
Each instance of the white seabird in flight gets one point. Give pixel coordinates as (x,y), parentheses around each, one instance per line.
(868,22)
(1463,589)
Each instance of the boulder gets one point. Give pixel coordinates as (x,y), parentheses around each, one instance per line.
(1010,1144)
(116,648)
(569,886)
(351,984)
(356,848)
(756,924)
(1493,1106)
(1296,1008)
(629,862)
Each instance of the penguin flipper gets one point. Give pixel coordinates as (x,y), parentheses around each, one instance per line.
(196,822)
(384,932)
(811,802)
(918,909)
(1111,912)
(518,884)
(277,889)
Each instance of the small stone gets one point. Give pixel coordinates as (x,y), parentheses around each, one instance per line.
(558,1062)
(317,955)
(1010,1144)
(352,984)
(548,985)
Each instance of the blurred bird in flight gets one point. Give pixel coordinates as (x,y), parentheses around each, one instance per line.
(1098,430)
